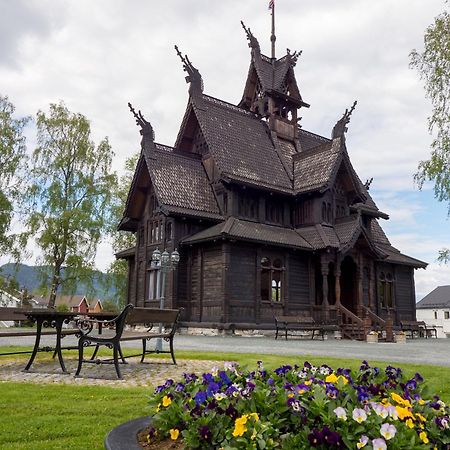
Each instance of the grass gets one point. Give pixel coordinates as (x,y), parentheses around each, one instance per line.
(38,417)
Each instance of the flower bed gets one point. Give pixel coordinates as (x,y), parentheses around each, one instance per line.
(299,408)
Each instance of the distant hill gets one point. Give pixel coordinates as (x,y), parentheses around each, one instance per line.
(29,277)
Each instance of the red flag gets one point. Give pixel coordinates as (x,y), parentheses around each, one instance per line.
(271,4)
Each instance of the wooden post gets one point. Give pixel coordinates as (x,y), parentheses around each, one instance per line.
(338,284)
(360,292)
(367,325)
(325,290)
(389,327)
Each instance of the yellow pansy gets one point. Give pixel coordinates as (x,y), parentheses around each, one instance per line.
(400,400)
(409,423)
(174,433)
(239,426)
(424,438)
(166,401)
(403,413)
(332,378)
(423,419)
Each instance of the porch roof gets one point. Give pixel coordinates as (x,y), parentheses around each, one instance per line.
(248,231)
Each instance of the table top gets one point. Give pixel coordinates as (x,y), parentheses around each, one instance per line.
(65,314)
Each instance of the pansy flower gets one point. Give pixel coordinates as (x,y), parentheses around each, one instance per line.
(388,431)
(379,444)
(359,415)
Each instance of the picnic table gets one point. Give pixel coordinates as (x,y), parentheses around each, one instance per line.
(49,318)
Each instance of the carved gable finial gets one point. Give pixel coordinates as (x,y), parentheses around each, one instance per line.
(193,77)
(293,57)
(368,183)
(146,127)
(340,128)
(252,41)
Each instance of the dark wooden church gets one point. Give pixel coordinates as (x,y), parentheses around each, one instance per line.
(269,218)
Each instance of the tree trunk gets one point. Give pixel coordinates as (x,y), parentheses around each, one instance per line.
(56,281)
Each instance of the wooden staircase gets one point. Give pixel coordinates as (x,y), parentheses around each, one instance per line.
(352,327)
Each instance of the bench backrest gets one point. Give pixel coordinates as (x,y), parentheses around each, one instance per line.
(306,320)
(151,316)
(412,324)
(10,314)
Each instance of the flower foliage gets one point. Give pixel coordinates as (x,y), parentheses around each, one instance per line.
(300,407)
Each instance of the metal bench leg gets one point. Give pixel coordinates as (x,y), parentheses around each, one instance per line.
(95,352)
(285,333)
(276,334)
(171,350)
(124,361)
(312,336)
(116,360)
(144,349)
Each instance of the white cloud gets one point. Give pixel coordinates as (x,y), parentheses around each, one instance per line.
(97,56)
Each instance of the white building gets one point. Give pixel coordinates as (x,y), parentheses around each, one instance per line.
(9,301)
(434,310)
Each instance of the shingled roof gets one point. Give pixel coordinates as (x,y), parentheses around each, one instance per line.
(248,231)
(240,144)
(313,169)
(180,181)
(436,299)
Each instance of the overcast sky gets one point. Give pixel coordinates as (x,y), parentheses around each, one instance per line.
(97,55)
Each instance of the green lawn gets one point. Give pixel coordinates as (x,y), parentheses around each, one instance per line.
(37,417)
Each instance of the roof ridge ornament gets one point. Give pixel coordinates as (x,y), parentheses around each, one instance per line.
(293,57)
(341,128)
(193,77)
(146,127)
(252,41)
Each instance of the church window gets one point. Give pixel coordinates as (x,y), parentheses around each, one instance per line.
(155,231)
(302,213)
(153,281)
(324,212)
(271,280)
(248,206)
(274,211)
(435,315)
(169,231)
(446,315)
(386,290)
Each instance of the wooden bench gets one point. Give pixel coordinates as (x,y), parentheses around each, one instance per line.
(121,331)
(418,327)
(286,324)
(19,314)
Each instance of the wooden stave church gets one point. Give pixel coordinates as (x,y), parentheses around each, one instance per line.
(268,218)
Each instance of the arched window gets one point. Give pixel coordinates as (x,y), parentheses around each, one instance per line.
(324,212)
(153,281)
(271,280)
(386,290)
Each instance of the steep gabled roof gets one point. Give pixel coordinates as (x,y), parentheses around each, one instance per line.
(240,144)
(248,231)
(180,183)
(313,169)
(180,180)
(436,299)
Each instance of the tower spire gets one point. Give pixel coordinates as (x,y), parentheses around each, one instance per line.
(273,38)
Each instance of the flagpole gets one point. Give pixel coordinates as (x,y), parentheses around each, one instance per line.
(273,37)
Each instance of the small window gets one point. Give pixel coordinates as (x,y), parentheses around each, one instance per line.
(169,231)
(324,212)
(446,315)
(271,280)
(435,315)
